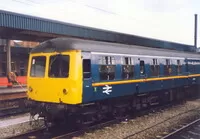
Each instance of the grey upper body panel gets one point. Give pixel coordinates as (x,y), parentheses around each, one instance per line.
(64,44)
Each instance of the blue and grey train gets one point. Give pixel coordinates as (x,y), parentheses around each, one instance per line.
(71,78)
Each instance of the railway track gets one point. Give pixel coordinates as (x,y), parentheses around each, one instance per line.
(12,102)
(12,107)
(61,132)
(68,132)
(188,131)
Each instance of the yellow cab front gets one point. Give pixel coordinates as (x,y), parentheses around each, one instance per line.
(55,77)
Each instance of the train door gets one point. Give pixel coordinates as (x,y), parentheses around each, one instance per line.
(87,78)
(142,68)
(141,86)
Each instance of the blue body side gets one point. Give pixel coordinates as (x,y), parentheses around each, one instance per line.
(97,93)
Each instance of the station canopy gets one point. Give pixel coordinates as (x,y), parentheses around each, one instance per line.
(17,26)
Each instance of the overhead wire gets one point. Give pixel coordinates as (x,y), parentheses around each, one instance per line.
(22,2)
(91,7)
(32,1)
(139,21)
(152,24)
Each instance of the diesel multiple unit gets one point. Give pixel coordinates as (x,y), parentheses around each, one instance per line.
(85,81)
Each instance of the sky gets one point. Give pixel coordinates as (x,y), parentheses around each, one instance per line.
(170,20)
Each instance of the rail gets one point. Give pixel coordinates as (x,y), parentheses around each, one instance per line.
(189,131)
(68,132)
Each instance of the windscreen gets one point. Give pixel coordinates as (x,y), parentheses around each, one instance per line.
(38,66)
(59,66)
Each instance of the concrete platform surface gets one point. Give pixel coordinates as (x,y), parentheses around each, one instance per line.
(15,125)
(14,121)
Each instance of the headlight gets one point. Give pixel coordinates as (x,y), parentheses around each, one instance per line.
(64,91)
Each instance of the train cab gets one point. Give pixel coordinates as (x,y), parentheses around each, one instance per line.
(55,76)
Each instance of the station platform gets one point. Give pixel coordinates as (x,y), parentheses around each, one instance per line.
(12,93)
(6,86)
(13,121)
(11,90)
(15,125)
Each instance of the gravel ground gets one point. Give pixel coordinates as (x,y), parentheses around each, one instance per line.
(124,129)
(18,127)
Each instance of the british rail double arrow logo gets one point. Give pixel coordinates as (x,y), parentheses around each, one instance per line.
(107,89)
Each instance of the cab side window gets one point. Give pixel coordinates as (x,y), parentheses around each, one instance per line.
(86,68)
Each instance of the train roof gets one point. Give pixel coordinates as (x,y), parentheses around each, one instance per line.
(64,44)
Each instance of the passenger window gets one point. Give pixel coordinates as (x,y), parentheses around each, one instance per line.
(59,66)
(167,68)
(178,67)
(142,67)
(86,68)
(127,68)
(107,68)
(155,68)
